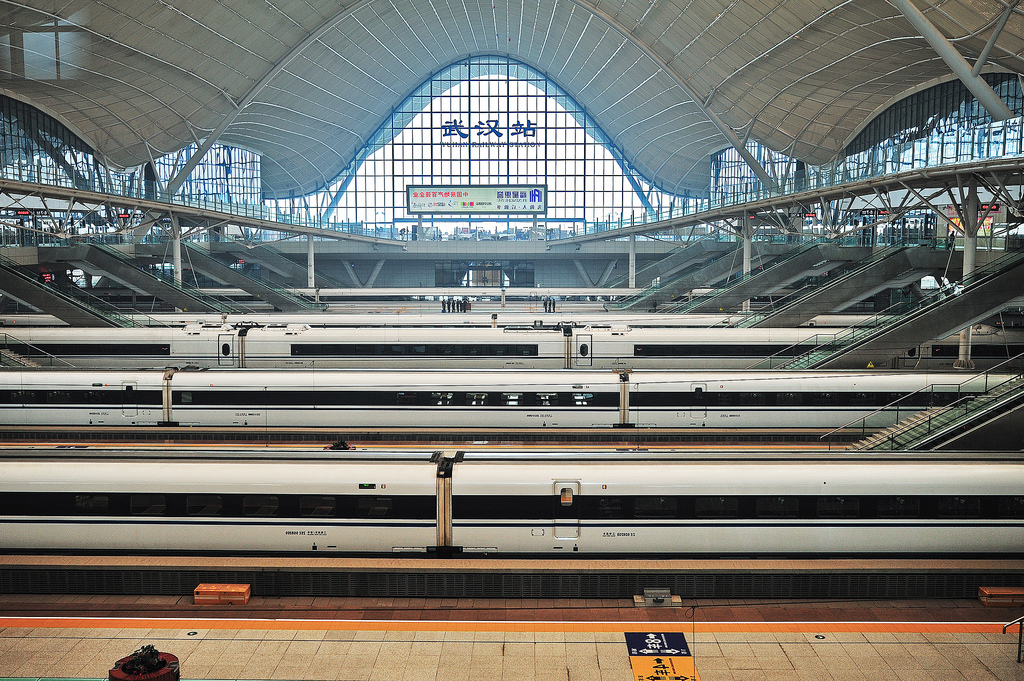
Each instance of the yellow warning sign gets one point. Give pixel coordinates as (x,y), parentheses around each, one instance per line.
(663,668)
(660,657)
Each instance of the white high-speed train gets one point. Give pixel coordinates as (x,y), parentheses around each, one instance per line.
(567,347)
(574,503)
(428,319)
(511,399)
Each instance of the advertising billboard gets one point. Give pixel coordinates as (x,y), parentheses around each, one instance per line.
(477,199)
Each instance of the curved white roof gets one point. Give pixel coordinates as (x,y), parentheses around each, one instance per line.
(306,82)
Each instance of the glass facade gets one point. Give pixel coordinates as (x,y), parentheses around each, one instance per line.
(34,147)
(935,112)
(225,175)
(491,121)
(940,125)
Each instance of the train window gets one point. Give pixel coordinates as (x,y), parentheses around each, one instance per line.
(838,507)
(225,349)
(204,504)
(374,507)
(862,399)
(899,507)
(822,399)
(547,399)
(750,399)
(260,505)
(717,507)
(584,349)
(788,399)
(406,398)
(186,396)
(148,504)
(441,399)
(511,399)
(959,507)
(583,399)
(476,399)
(777,507)
(1011,507)
(654,507)
(92,504)
(609,507)
(317,506)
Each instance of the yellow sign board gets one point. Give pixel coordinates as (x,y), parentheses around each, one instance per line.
(660,657)
(663,669)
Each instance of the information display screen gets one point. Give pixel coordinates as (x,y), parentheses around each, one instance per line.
(504,199)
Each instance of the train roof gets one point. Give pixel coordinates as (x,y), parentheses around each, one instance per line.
(506,455)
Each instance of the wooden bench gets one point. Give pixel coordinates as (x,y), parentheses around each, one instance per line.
(1001,596)
(222,594)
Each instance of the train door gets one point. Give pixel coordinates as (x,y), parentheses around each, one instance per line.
(227,350)
(698,400)
(567,509)
(584,355)
(129,398)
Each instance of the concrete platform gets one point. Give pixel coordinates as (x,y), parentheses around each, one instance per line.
(495,639)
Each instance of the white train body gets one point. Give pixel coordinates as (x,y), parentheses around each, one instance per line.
(512,399)
(195,532)
(678,504)
(569,347)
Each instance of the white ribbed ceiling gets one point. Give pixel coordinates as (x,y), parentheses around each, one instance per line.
(306,82)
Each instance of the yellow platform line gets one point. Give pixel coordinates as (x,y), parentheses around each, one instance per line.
(490,626)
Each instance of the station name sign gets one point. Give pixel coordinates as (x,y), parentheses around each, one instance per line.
(478,199)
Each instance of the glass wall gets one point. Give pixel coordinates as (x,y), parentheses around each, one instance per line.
(940,125)
(489,121)
(225,175)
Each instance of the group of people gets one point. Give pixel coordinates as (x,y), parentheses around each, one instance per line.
(454,305)
(549,304)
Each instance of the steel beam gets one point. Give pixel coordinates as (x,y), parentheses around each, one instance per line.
(986,96)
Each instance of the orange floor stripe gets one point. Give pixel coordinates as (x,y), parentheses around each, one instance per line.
(440,625)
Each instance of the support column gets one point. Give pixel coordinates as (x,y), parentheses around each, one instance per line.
(747,233)
(176,248)
(175,252)
(632,260)
(970,222)
(310,263)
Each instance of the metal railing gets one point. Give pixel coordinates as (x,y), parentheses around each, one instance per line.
(79,297)
(790,301)
(7,341)
(1002,140)
(1020,636)
(895,314)
(951,407)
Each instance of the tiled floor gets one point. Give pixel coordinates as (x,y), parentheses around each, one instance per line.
(404,640)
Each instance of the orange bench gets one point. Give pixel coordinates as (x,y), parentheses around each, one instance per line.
(1004,596)
(222,594)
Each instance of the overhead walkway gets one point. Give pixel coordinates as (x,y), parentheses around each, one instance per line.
(203,261)
(892,267)
(809,260)
(265,255)
(671,263)
(72,305)
(941,427)
(985,292)
(696,275)
(121,268)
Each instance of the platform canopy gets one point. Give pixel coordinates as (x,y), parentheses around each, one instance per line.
(306,82)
